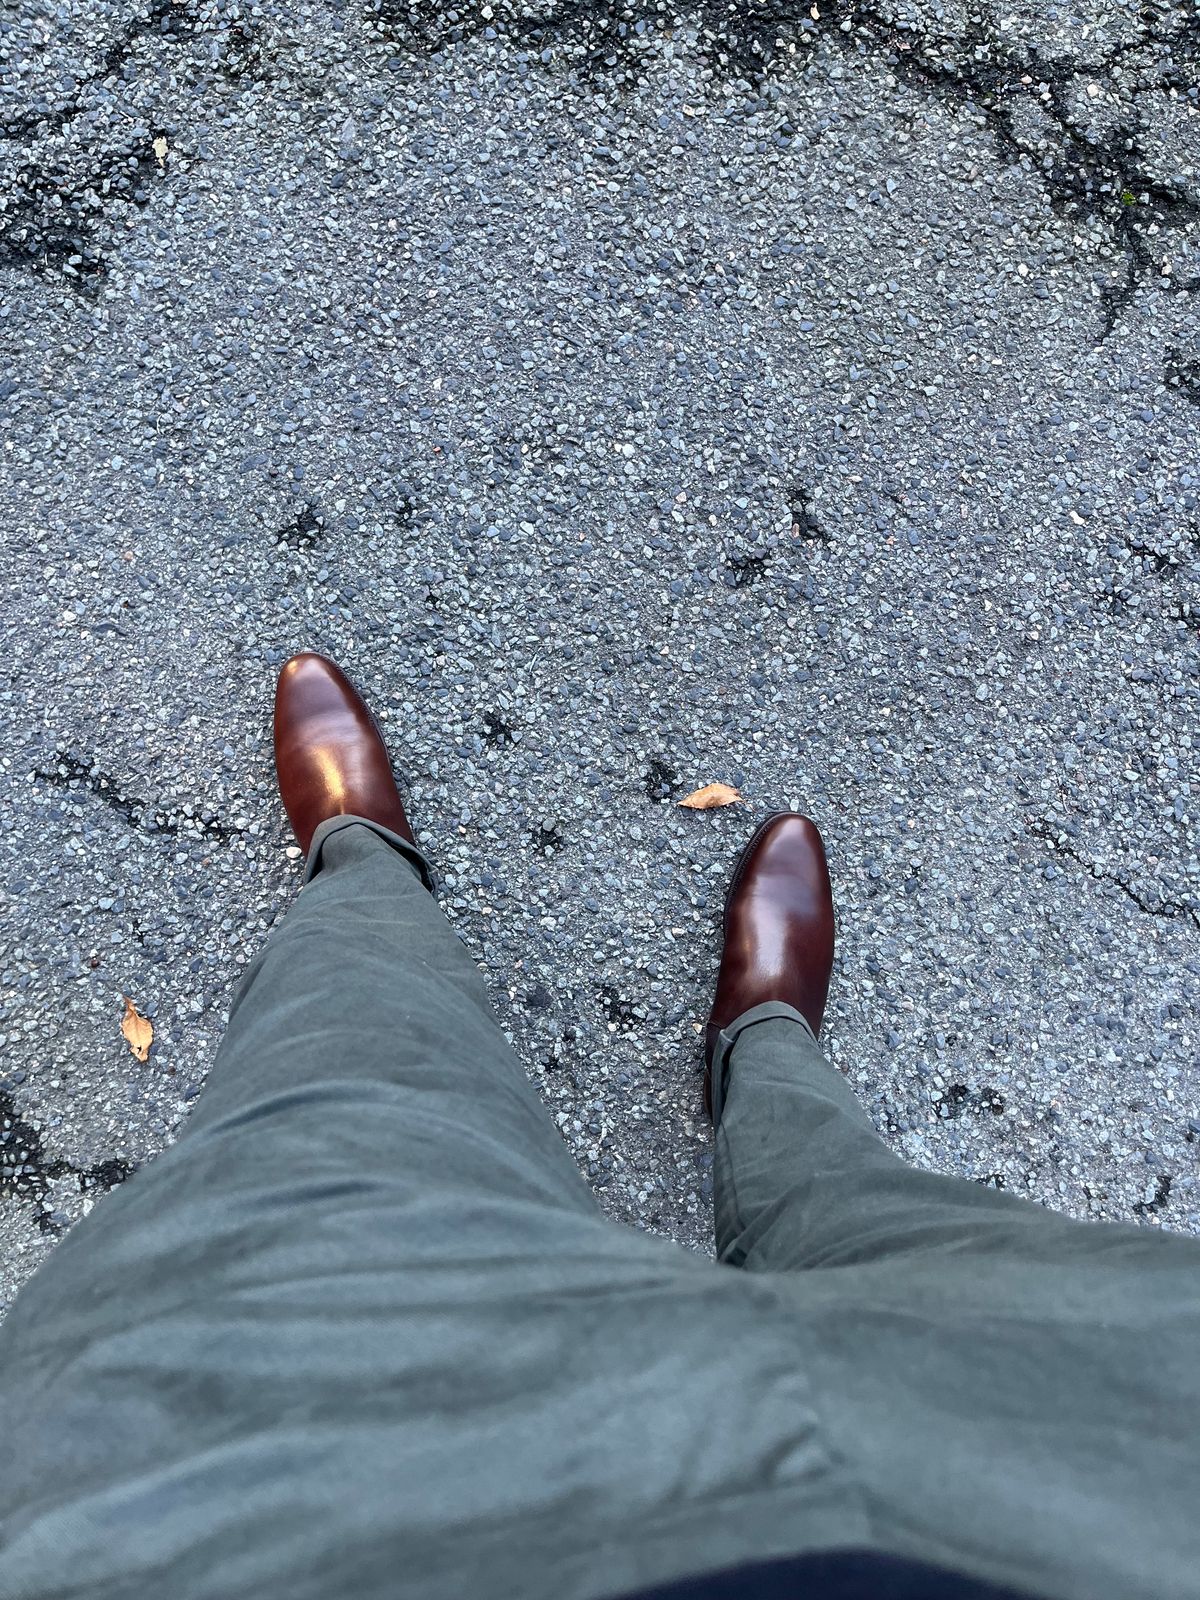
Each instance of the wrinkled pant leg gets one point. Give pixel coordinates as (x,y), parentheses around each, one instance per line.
(363,1330)
(1014,1391)
(362,1062)
(802,1179)
(365,990)
(368,1151)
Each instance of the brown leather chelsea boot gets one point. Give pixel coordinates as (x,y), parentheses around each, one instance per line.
(329,753)
(778,929)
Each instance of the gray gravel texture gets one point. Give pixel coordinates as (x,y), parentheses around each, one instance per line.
(804,397)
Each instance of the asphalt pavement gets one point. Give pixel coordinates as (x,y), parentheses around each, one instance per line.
(630,398)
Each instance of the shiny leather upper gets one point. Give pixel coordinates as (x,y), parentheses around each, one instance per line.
(778,926)
(329,754)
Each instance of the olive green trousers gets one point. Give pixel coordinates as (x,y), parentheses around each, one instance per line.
(363,1331)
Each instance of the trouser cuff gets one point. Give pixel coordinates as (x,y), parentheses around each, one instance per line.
(768,1011)
(402,846)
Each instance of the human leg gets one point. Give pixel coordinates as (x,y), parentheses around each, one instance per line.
(1011,1388)
(363,1328)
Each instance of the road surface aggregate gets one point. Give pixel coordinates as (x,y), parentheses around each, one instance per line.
(630,397)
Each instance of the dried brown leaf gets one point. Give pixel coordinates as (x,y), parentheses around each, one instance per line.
(711,796)
(138,1030)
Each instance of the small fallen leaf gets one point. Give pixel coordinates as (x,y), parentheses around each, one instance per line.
(160,150)
(711,796)
(138,1030)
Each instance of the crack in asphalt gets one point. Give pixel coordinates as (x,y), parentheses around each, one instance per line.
(1182,374)
(47,216)
(70,770)
(49,205)
(1169,568)
(163,19)
(1048,833)
(1110,177)
(26,1172)
(975,69)
(1162,1194)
